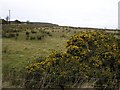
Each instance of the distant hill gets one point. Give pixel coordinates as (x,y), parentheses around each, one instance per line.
(41,23)
(2,21)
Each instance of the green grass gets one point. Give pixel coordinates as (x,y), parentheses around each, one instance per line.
(17,54)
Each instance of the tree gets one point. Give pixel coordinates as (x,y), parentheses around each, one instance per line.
(28,22)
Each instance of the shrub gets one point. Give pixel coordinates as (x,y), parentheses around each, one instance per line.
(32,37)
(99,51)
(39,37)
(33,32)
(57,71)
(27,33)
(5,49)
(10,35)
(89,54)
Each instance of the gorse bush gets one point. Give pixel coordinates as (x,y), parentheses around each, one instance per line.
(99,51)
(57,71)
(89,54)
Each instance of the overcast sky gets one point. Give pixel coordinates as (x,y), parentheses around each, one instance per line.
(82,13)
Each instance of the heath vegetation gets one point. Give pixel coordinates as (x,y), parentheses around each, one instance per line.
(59,57)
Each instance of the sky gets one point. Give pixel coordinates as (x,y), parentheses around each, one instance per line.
(78,13)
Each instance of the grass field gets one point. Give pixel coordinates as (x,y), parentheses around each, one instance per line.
(18,53)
